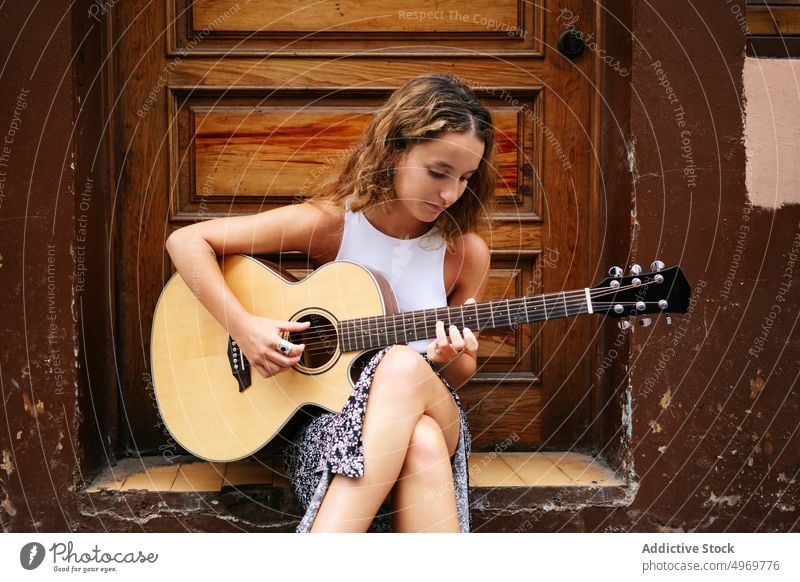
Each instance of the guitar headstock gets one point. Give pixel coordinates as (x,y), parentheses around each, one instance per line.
(664,290)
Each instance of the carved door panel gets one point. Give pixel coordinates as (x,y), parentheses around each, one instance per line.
(228,107)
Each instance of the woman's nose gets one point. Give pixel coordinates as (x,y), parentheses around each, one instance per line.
(449,193)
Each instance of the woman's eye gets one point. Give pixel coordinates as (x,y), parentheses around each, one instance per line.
(440,176)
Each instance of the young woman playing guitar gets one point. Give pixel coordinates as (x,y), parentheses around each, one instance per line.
(406,205)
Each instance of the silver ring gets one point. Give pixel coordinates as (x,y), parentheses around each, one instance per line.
(285,347)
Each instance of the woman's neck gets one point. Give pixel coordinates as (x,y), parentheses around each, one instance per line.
(394,221)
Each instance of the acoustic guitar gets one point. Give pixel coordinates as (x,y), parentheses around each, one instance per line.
(219,410)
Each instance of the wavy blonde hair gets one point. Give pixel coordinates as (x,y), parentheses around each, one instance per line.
(422,109)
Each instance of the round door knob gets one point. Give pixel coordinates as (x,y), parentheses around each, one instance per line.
(571,43)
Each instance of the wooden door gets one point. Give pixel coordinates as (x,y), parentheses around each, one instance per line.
(237,106)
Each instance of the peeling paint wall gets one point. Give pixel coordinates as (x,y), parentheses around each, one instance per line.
(46,442)
(772,131)
(715,398)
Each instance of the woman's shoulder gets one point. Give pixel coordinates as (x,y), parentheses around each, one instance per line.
(316,215)
(328,211)
(466,264)
(470,247)
(325,237)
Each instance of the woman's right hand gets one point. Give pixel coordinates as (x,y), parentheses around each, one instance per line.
(258,339)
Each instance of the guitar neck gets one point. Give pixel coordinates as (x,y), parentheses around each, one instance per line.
(383,330)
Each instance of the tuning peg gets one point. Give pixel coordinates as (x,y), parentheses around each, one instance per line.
(624,324)
(640,306)
(657,265)
(615,272)
(645,321)
(668,319)
(636,270)
(662,304)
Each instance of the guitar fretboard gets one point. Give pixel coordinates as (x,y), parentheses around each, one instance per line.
(383,330)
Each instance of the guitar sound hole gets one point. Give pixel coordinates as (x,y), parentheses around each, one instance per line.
(320,338)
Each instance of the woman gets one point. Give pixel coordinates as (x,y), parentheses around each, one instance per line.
(406,204)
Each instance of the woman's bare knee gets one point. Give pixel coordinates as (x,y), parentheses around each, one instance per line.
(402,360)
(427,449)
(402,372)
(406,380)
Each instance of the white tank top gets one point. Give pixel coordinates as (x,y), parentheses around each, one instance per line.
(414,267)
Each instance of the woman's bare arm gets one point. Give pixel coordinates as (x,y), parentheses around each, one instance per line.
(194,250)
(471,284)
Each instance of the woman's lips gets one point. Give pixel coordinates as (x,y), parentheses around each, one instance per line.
(435,207)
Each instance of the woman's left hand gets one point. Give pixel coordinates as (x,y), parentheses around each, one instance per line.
(444,349)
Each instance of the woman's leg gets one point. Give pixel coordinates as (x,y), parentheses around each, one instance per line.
(403,389)
(424,497)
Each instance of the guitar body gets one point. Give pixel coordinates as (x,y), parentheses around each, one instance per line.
(220,410)
(199,398)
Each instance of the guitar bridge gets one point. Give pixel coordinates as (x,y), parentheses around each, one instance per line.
(240,367)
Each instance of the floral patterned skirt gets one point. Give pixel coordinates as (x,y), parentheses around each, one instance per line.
(331,443)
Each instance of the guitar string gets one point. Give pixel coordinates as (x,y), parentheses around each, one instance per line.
(577,298)
(316,348)
(565,301)
(370,326)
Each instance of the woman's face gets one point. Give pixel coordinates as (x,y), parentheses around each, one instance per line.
(432,175)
